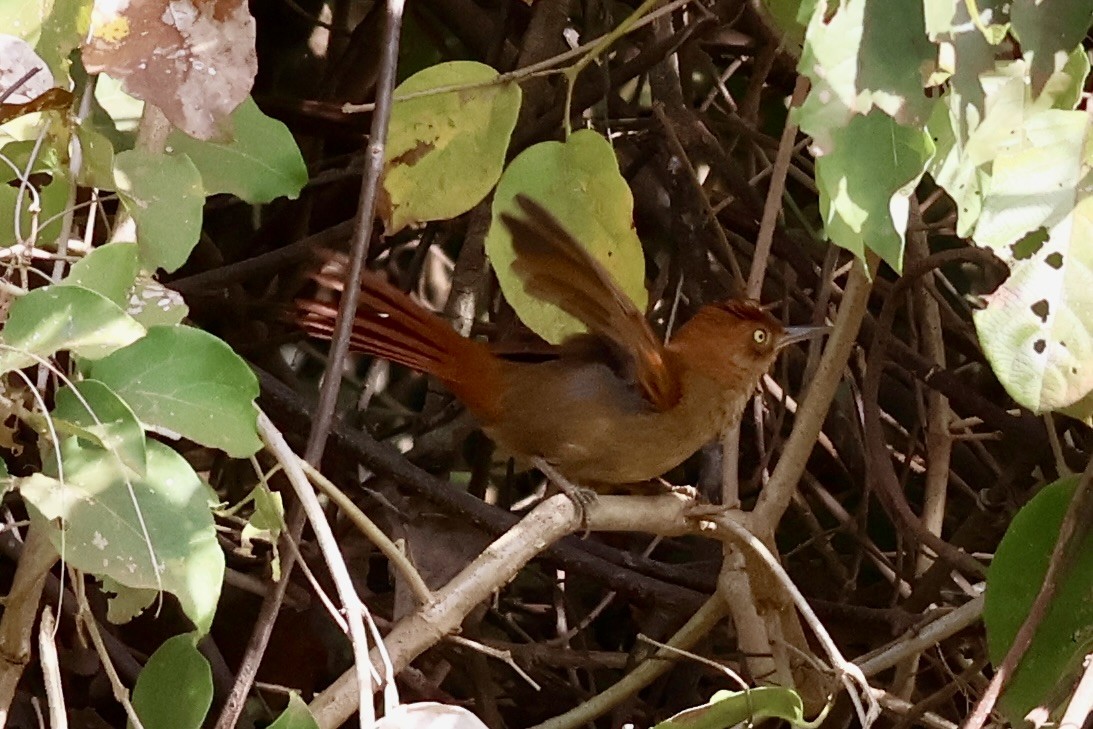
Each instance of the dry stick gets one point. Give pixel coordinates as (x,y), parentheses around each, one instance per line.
(495,567)
(877,460)
(665,585)
(773,202)
(938,442)
(328,545)
(21,607)
(681,152)
(85,618)
(919,639)
(776,495)
(18,83)
(535,70)
(339,347)
(734,583)
(371,532)
(1081,703)
(51,670)
(757,272)
(850,674)
(1072,532)
(701,623)
(957,684)
(898,705)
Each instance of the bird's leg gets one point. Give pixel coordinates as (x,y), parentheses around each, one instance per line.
(581,497)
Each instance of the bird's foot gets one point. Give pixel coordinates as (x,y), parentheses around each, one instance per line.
(683,490)
(581,497)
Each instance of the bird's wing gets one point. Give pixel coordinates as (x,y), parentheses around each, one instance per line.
(556,268)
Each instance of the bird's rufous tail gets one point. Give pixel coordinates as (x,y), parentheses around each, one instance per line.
(392,325)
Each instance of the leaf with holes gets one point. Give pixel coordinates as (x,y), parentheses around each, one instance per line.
(862,56)
(1037,328)
(104,520)
(194,60)
(109,270)
(1048,32)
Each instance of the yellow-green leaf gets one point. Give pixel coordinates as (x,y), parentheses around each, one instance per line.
(445,151)
(579,182)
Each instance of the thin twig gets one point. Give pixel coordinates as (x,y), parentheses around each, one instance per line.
(51,670)
(371,532)
(773,202)
(352,606)
(775,497)
(1081,703)
(324,415)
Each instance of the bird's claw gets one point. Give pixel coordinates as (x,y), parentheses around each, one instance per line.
(683,490)
(581,497)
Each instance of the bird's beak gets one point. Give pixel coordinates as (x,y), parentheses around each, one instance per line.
(799,334)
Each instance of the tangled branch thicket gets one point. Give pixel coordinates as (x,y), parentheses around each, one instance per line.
(920,459)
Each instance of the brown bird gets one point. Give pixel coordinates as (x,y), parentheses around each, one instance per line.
(615,406)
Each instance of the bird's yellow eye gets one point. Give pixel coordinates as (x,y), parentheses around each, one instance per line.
(760,336)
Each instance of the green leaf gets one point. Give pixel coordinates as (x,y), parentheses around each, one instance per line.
(1048,32)
(93,406)
(866,182)
(1037,328)
(864,54)
(40,214)
(1065,86)
(153,304)
(1081,410)
(62,31)
(188,382)
(22,19)
(109,270)
(97,169)
(295,716)
(265,523)
(1065,636)
(125,603)
(729,708)
(164,195)
(787,15)
(986,115)
(175,688)
(54,318)
(261,162)
(123,110)
(445,151)
(578,181)
(103,533)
